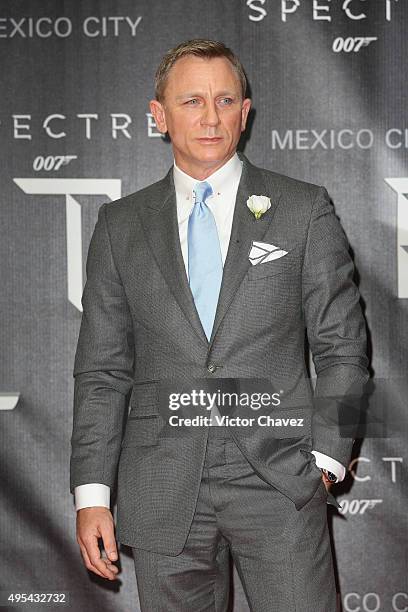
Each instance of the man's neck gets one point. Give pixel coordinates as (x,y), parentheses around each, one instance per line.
(201,172)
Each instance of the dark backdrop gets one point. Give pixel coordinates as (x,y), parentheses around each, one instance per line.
(329,89)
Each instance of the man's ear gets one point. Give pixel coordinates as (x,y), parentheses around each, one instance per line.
(157,110)
(246,105)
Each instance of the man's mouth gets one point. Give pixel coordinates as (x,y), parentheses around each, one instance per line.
(211,139)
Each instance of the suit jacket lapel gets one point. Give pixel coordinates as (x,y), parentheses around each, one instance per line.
(159,219)
(245,229)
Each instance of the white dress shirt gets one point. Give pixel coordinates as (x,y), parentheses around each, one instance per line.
(224,183)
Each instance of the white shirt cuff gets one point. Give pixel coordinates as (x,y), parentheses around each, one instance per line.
(330,464)
(93,494)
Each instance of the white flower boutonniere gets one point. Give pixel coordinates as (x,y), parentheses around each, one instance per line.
(258,205)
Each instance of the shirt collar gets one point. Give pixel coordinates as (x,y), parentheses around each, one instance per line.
(229,173)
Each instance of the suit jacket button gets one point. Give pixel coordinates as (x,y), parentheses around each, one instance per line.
(211,367)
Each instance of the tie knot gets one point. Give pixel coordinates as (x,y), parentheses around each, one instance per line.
(202,191)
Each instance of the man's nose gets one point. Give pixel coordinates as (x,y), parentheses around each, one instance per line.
(210,115)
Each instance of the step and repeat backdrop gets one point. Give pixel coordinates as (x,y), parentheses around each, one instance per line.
(329,90)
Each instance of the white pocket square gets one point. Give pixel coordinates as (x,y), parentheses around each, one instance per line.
(261,252)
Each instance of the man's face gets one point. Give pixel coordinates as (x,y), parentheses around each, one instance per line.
(203,112)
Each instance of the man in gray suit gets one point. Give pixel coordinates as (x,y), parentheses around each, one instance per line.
(213,275)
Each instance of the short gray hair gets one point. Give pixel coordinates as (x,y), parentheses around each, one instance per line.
(200,47)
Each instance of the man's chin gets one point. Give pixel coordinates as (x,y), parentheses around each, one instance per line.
(211,153)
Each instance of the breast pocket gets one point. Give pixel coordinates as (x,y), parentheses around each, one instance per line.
(287,264)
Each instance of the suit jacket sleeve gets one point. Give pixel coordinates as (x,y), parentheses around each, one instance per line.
(103,368)
(336,331)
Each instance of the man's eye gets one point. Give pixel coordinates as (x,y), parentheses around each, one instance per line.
(192,100)
(227,100)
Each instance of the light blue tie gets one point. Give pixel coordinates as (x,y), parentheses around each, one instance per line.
(204,257)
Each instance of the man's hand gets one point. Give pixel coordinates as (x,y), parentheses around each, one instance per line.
(92,524)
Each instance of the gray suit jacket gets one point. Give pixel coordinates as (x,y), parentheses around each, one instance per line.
(140,326)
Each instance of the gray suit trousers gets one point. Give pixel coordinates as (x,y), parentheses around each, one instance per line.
(282,555)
